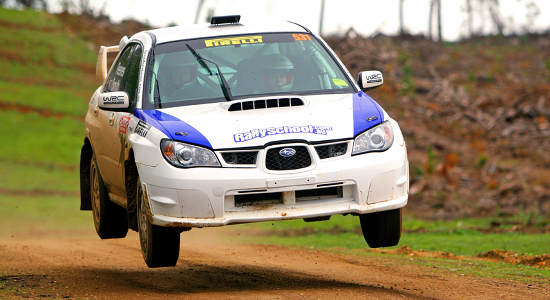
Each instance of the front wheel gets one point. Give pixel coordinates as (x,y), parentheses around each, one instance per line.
(381,229)
(160,246)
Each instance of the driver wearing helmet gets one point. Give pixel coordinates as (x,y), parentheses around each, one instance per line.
(178,79)
(278,73)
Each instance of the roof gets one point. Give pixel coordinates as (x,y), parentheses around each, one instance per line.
(176,33)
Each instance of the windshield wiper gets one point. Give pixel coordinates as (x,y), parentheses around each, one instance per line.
(225,86)
(156,97)
(157,91)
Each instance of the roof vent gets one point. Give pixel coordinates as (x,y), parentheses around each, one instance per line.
(266,103)
(218,20)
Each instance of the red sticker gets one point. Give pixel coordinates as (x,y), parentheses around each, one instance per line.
(123,124)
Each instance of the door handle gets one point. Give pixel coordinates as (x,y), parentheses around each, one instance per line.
(112,119)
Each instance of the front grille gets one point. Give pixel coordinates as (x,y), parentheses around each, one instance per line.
(240,158)
(333,150)
(275,161)
(258,199)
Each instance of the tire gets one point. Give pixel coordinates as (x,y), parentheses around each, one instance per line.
(110,220)
(160,246)
(381,229)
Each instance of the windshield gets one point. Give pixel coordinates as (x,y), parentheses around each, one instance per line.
(187,72)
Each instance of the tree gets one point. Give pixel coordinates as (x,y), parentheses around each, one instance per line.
(435,8)
(401,24)
(470,13)
(39,4)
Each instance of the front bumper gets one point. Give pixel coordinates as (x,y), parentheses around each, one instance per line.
(201,197)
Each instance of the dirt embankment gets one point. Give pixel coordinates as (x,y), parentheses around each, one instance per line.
(475,114)
(52,265)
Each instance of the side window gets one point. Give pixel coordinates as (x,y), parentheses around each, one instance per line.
(131,76)
(115,81)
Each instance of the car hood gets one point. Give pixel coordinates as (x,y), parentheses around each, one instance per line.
(321,118)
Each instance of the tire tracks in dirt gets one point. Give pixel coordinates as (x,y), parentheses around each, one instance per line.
(213,265)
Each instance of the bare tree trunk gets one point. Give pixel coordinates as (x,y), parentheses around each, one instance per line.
(495,16)
(470,17)
(401,25)
(439,33)
(430,19)
(321,17)
(199,8)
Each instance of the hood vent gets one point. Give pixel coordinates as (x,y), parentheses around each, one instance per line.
(267,103)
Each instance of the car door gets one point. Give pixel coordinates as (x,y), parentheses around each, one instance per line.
(110,139)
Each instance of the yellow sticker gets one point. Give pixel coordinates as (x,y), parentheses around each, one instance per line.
(339,82)
(238,40)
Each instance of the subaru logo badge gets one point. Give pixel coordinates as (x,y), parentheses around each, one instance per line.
(287,152)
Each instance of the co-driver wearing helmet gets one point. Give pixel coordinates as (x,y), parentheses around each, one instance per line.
(278,73)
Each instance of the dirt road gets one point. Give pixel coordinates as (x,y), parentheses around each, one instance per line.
(55,265)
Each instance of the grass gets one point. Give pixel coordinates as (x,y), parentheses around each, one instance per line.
(29,17)
(459,237)
(473,267)
(42,214)
(38,177)
(64,100)
(58,48)
(40,69)
(33,138)
(44,75)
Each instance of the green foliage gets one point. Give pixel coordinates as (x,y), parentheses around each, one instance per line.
(432,161)
(471,76)
(482,160)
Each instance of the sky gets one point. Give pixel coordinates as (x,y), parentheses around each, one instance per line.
(365,16)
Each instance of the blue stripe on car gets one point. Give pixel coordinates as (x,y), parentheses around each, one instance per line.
(364,107)
(169,125)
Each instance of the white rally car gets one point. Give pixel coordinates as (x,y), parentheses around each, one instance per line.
(229,122)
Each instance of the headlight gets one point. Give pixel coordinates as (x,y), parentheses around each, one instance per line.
(378,138)
(186,156)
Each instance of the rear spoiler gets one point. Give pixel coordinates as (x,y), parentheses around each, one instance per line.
(101,67)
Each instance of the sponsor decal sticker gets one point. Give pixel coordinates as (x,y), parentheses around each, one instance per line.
(261,133)
(113,100)
(123,124)
(301,37)
(339,82)
(142,128)
(374,78)
(253,39)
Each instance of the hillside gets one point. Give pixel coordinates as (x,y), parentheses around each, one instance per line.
(475,114)
(475,117)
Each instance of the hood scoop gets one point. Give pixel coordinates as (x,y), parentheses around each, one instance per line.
(265,103)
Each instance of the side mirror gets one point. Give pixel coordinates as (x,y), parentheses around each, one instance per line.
(114,101)
(370,79)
